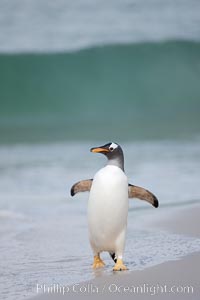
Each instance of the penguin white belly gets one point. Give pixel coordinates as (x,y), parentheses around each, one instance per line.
(108,210)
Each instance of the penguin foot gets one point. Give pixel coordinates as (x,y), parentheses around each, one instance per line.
(98,262)
(119,266)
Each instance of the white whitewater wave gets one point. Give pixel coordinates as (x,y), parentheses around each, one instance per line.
(47,26)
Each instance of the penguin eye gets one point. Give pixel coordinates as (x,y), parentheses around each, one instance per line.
(112,147)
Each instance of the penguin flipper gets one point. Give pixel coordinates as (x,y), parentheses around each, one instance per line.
(81,186)
(143,194)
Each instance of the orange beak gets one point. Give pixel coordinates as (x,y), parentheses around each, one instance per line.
(99,150)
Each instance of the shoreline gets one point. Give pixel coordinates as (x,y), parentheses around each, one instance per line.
(177,279)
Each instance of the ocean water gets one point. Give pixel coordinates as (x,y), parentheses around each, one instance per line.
(75,75)
(108,70)
(126,92)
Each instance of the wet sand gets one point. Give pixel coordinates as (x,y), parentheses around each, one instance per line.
(171,280)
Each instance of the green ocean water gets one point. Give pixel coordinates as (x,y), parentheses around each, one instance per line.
(119,92)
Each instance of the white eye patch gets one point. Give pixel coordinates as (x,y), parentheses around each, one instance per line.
(113,146)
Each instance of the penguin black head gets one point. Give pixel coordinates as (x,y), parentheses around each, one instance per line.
(113,152)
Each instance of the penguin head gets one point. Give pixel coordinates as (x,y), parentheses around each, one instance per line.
(110,148)
(112,151)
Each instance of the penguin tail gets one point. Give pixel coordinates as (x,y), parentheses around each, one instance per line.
(113,256)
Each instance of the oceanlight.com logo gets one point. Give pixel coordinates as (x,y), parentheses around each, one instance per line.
(114,289)
(151,289)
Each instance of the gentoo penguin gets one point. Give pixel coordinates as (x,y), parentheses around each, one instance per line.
(108,205)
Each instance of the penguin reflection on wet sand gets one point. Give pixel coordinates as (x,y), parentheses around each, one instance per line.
(108,205)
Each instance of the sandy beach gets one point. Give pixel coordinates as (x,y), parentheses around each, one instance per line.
(177,279)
